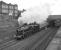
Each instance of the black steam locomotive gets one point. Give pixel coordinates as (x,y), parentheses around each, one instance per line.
(26,30)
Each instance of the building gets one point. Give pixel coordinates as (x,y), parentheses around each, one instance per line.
(8,9)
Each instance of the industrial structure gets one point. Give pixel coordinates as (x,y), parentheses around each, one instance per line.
(9,9)
(54,20)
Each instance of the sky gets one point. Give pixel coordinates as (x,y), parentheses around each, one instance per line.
(41,8)
(55,5)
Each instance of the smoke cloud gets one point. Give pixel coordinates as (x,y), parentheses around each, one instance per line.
(38,14)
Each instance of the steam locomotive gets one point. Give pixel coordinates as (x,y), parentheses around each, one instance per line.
(54,20)
(27,30)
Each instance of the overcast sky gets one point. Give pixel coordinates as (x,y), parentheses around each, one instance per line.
(53,6)
(28,3)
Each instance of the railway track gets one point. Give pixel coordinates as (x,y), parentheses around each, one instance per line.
(13,42)
(7,40)
(8,44)
(43,41)
(42,45)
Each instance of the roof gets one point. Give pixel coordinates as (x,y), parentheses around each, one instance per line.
(52,17)
(55,15)
(3,2)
